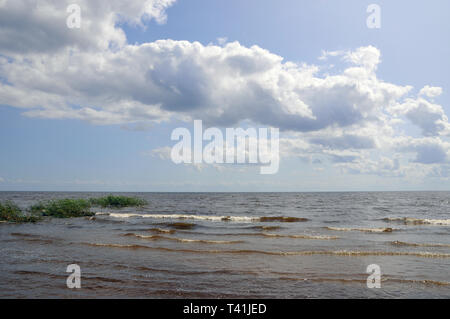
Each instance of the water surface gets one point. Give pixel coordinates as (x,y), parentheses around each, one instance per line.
(220,245)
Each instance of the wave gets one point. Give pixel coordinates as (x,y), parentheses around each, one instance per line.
(184,240)
(371,253)
(118,246)
(184,216)
(384,280)
(203,241)
(29,236)
(418,221)
(196,273)
(59,276)
(180,225)
(38,274)
(282,219)
(34,238)
(340,280)
(423,282)
(152,230)
(161,231)
(322,237)
(266,227)
(344,253)
(38,240)
(367,230)
(401,243)
(269,235)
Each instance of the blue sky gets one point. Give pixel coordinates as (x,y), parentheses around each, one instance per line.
(49,145)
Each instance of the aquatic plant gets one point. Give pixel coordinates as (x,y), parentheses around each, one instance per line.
(63,208)
(10,212)
(117,201)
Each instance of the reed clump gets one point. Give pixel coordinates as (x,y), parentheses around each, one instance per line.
(63,208)
(115,201)
(10,212)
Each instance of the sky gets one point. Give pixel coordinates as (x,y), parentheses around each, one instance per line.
(93,108)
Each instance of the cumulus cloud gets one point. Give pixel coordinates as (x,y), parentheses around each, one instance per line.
(368,57)
(347,118)
(220,85)
(30,26)
(430,117)
(345,142)
(429,150)
(431,91)
(383,166)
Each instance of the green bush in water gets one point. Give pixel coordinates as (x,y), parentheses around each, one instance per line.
(63,208)
(10,212)
(117,201)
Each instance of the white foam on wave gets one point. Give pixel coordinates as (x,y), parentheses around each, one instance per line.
(185,240)
(367,230)
(184,216)
(419,221)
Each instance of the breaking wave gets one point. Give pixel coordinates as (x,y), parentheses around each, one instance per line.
(366,230)
(268,235)
(282,219)
(248,219)
(266,227)
(184,240)
(161,231)
(418,221)
(401,243)
(345,253)
(298,236)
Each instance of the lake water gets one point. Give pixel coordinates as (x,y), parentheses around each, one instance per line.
(234,245)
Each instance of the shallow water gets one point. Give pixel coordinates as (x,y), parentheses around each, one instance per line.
(216,245)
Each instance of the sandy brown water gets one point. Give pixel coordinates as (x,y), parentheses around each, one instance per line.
(219,245)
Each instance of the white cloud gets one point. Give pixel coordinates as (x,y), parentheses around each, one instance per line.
(222,40)
(431,91)
(220,85)
(368,57)
(345,142)
(161,152)
(350,119)
(383,166)
(428,150)
(326,54)
(29,26)
(430,117)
